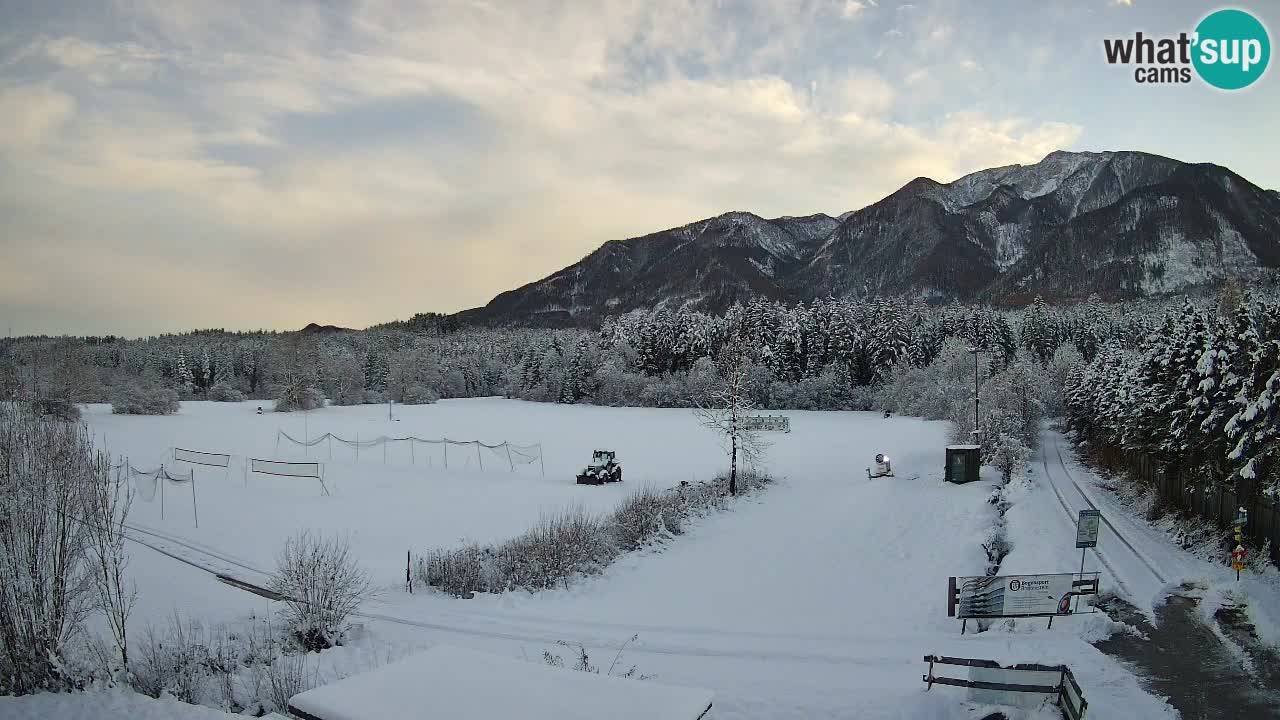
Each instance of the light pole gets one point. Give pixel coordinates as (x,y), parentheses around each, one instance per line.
(975,350)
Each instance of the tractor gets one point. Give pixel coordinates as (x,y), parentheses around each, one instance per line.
(603,469)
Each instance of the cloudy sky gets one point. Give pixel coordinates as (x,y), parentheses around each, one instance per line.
(167,165)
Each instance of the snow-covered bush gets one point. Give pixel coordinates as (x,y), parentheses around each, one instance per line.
(287,676)
(224,392)
(47,470)
(296,396)
(1006,453)
(418,395)
(135,399)
(324,585)
(561,547)
(57,406)
(173,661)
(645,516)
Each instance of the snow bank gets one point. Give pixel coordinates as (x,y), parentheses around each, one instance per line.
(451,682)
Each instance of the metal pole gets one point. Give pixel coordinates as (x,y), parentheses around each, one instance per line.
(540,463)
(975,392)
(160,479)
(446,453)
(509,461)
(330,437)
(413,459)
(195,511)
(1082,552)
(478,458)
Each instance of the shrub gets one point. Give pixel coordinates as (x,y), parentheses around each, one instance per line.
(56,406)
(645,515)
(47,472)
(174,662)
(295,396)
(573,542)
(419,395)
(134,399)
(223,392)
(324,585)
(286,677)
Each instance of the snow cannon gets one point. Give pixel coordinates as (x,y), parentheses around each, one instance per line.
(603,469)
(883,468)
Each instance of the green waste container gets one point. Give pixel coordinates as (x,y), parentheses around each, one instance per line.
(963,463)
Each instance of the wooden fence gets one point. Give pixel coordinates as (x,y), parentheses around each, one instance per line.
(1217,506)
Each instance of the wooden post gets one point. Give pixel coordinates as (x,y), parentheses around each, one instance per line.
(540,463)
(446,453)
(329,436)
(160,480)
(509,461)
(478,458)
(408,577)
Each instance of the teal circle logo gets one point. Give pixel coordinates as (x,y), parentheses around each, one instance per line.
(1231,49)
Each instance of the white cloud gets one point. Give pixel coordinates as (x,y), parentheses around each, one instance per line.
(1126,3)
(32,113)
(588,125)
(852,9)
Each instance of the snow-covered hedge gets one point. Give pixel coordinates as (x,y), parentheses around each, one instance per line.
(574,543)
(135,399)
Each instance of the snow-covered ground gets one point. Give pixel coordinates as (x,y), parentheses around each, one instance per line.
(816,598)
(1140,560)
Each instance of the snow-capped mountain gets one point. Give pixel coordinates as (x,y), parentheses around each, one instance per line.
(1121,224)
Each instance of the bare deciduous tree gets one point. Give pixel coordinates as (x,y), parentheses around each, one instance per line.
(46,588)
(726,406)
(108,502)
(323,584)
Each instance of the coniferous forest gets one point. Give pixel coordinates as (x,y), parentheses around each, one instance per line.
(1192,382)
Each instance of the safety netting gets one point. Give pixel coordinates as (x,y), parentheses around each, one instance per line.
(440,452)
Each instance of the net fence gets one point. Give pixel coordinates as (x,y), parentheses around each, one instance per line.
(441,452)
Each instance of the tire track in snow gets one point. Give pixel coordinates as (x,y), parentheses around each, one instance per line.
(1067,509)
(1141,556)
(195,547)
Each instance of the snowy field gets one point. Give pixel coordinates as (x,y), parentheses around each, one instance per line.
(817,598)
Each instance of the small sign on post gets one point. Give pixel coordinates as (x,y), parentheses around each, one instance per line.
(1237,560)
(1087,525)
(1087,528)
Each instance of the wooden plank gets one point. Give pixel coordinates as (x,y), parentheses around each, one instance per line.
(1006,687)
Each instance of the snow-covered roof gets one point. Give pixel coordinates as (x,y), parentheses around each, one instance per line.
(964,447)
(450,682)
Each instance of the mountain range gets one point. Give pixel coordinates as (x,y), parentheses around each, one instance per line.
(1119,224)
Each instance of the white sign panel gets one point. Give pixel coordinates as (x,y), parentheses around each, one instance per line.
(288,469)
(201,458)
(1087,528)
(1014,595)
